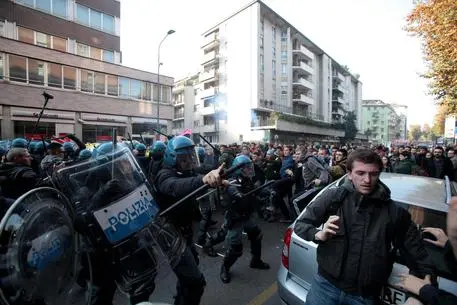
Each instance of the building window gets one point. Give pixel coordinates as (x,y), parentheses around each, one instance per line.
(273,68)
(283,70)
(26,2)
(82,49)
(135,88)
(99,83)
(44,5)
(95,53)
(59,44)
(124,87)
(82,14)
(43,40)
(261,42)
(284,55)
(112,85)
(273,33)
(54,75)
(146,91)
(273,51)
(18,68)
(283,36)
(69,78)
(166,94)
(108,23)
(2,64)
(155,93)
(2,28)
(25,35)
(87,81)
(108,56)
(284,90)
(96,19)
(59,8)
(262,67)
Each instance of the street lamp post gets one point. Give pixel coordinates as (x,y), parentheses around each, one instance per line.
(158,78)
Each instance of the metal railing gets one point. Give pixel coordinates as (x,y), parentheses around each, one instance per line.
(291,110)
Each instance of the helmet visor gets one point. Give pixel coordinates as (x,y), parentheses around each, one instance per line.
(186,159)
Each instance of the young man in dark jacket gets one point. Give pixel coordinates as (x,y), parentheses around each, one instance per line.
(360,225)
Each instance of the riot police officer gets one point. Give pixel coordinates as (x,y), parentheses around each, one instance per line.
(156,154)
(141,158)
(239,217)
(174,181)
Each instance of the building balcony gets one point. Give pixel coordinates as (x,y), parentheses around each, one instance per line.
(301,66)
(302,50)
(178,88)
(207,128)
(303,98)
(303,82)
(178,116)
(177,102)
(208,92)
(263,123)
(207,76)
(338,100)
(210,40)
(208,57)
(207,110)
(339,77)
(338,88)
(338,111)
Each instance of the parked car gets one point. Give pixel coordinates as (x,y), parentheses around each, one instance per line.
(427,200)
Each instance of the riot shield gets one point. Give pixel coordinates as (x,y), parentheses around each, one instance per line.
(117,215)
(39,250)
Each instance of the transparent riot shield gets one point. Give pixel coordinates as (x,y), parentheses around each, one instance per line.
(117,214)
(39,251)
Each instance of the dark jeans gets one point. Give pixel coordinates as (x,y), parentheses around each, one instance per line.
(324,293)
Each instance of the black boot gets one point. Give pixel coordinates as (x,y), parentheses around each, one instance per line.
(257,263)
(225,274)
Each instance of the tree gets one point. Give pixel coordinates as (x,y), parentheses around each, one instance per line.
(415,132)
(435,22)
(438,121)
(426,132)
(350,129)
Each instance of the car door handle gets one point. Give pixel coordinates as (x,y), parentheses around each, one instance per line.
(301,246)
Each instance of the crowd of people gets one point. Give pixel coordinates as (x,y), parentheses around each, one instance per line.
(277,176)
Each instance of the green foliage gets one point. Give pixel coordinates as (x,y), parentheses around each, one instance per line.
(350,129)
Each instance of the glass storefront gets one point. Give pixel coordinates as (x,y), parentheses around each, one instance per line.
(93,133)
(25,129)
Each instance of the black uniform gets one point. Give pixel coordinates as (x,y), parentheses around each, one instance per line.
(171,186)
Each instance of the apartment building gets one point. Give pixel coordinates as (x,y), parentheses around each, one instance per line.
(71,49)
(183,101)
(261,78)
(381,123)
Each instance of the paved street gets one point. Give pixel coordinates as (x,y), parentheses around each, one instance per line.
(248,286)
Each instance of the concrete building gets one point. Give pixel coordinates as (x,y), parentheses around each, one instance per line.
(261,79)
(183,100)
(381,123)
(71,49)
(402,111)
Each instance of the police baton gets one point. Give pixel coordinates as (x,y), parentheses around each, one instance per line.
(165,135)
(47,97)
(259,188)
(211,145)
(203,187)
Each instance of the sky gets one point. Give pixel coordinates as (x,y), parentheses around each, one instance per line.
(365,35)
